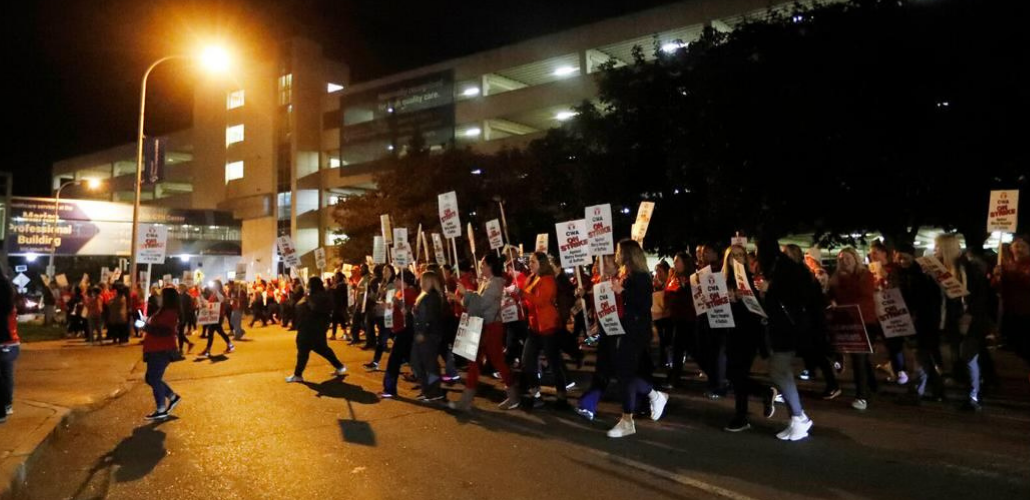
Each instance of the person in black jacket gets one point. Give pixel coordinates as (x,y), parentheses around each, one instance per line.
(635,289)
(792,301)
(428,316)
(923,298)
(313,314)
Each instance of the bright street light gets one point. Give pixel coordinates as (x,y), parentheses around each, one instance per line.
(92,185)
(213,59)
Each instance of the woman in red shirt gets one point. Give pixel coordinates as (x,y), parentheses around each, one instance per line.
(852,284)
(160,348)
(403,331)
(540,297)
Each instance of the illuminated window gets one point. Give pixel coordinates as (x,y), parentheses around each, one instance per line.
(285,89)
(233,171)
(233,134)
(235,100)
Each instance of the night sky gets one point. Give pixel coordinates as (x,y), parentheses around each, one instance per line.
(73,67)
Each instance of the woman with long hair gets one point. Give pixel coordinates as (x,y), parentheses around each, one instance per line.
(743,342)
(312,315)
(634,286)
(159,350)
(428,316)
(376,304)
(401,305)
(540,298)
(680,306)
(853,284)
(966,319)
(604,367)
(214,294)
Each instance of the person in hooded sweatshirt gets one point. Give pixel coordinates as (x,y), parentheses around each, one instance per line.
(313,313)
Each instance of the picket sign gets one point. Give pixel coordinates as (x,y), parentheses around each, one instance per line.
(846,330)
(952,287)
(438,252)
(542,243)
(319,258)
(378,250)
(387,228)
(509,306)
(494,235)
(607,309)
(388,312)
(472,247)
(573,245)
(151,244)
(289,251)
(466,342)
(747,294)
(1003,216)
(450,222)
(209,313)
(62,280)
(717,299)
(893,313)
(643,220)
(599,229)
(697,293)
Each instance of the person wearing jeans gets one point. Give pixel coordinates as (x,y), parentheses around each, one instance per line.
(160,347)
(9,348)
(540,298)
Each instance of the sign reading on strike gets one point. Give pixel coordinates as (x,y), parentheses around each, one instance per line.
(599,229)
(466,342)
(441,256)
(607,309)
(697,293)
(952,287)
(542,243)
(493,233)
(152,244)
(387,228)
(449,220)
(846,330)
(1002,212)
(289,251)
(573,244)
(747,295)
(717,299)
(893,314)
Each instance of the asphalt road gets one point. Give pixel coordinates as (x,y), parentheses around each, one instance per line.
(242,432)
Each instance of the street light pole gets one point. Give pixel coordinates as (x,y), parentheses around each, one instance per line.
(139,170)
(50,269)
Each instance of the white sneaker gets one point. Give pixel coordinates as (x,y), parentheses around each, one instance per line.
(341,371)
(860,404)
(294,378)
(622,429)
(799,427)
(658,401)
(902,377)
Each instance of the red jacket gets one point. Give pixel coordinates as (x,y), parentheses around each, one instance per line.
(409,297)
(540,297)
(856,289)
(11,337)
(161,331)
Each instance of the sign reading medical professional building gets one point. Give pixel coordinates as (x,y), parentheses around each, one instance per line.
(1002,213)
(87,227)
(152,244)
(573,244)
(449,219)
(607,309)
(493,234)
(288,251)
(599,229)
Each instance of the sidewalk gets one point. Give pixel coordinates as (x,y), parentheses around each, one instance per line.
(53,381)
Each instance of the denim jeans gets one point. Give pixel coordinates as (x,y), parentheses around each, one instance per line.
(236,323)
(7,356)
(781,371)
(157,363)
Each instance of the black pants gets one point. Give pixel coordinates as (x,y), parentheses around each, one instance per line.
(398,356)
(712,342)
(260,314)
(381,339)
(516,338)
(182,336)
(356,326)
(741,348)
(666,336)
(319,346)
(684,341)
(210,330)
(425,355)
(928,353)
(550,345)
(339,320)
(371,333)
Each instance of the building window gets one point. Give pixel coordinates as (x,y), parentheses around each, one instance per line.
(233,171)
(233,135)
(235,100)
(285,89)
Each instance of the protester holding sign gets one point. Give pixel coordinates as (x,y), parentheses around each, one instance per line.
(540,298)
(160,350)
(1012,280)
(604,365)
(743,342)
(790,301)
(428,324)
(680,305)
(403,331)
(313,314)
(965,318)
(882,267)
(853,285)
(635,289)
(485,303)
(380,288)
(923,297)
(213,295)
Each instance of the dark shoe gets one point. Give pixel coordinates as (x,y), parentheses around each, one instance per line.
(972,405)
(738,424)
(173,402)
(157,415)
(829,394)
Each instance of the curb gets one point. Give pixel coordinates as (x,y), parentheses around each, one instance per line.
(14,467)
